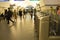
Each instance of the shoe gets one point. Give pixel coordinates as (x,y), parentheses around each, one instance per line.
(7,22)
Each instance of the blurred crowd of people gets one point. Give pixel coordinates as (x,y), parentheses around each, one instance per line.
(8,14)
(55,14)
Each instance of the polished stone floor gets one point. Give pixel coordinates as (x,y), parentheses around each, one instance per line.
(20,30)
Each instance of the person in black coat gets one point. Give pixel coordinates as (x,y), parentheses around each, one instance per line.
(9,15)
(31,13)
(20,13)
(5,13)
(24,13)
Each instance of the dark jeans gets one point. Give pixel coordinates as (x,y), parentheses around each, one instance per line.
(31,15)
(9,19)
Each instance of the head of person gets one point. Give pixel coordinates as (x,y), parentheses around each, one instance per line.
(8,9)
(5,10)
(58,7)
(51,7)
(14,10)
(19,9)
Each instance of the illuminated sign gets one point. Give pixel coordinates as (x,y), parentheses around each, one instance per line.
(3,0)
(34,0)
(18,0)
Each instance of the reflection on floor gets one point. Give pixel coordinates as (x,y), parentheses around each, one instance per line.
(20,30)
(54,38)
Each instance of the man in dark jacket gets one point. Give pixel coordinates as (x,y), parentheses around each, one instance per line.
(9,15)
(20,13)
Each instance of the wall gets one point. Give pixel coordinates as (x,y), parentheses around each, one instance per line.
(52,2)
(3,5)
(47,3)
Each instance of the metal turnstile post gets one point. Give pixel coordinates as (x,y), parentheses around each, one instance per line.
(44,28)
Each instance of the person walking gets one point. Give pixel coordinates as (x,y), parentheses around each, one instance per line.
(9,15)
(5,13)
(15,15)
(20,14)
(24,13)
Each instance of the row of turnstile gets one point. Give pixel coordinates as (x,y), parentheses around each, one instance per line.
(42,27)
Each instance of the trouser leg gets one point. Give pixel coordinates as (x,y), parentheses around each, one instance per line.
(11,20)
